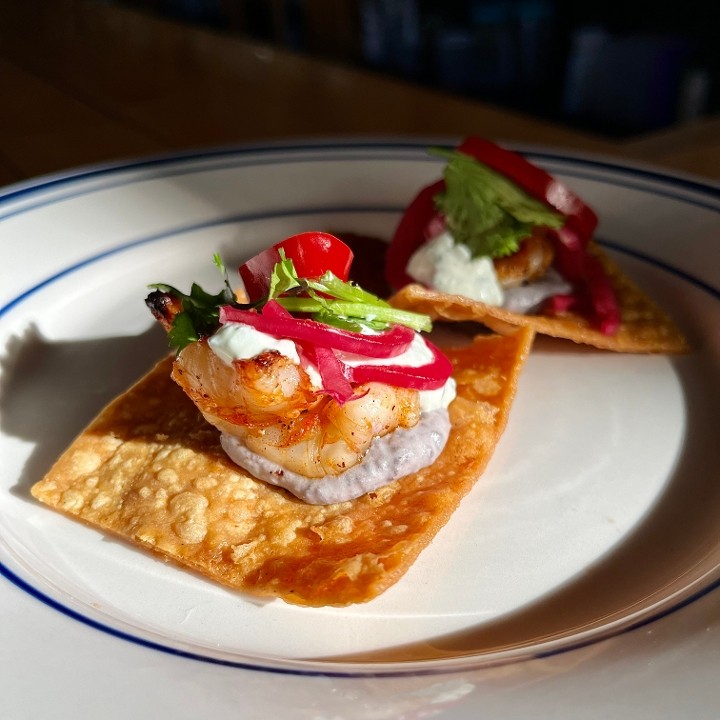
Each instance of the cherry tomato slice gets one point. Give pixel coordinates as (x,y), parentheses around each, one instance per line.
(313,253)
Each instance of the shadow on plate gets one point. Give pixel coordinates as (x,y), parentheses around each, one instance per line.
(49,391)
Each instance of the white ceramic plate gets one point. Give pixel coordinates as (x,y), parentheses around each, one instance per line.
(596,519)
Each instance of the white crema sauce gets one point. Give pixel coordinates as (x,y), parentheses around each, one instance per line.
(447,266)
(237,341)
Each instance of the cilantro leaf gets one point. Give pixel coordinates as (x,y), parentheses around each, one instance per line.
(284,277)
(200,314)
(362,315)
(333,301)
(486,211)
(332,285)
(182,332)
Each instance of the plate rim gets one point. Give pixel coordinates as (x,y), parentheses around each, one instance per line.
(600,164)
(542,152)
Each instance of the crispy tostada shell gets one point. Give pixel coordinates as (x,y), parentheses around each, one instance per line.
(151,470)
(644,327)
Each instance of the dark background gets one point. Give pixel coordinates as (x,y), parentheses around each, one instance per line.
(617,69)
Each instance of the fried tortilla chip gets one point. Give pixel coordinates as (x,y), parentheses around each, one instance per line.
(644,327)
(151,470)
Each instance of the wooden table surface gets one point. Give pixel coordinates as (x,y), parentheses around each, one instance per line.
(85,82)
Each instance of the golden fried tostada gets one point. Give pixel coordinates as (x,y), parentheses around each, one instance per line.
(151,470)
(305,442)
(644,327)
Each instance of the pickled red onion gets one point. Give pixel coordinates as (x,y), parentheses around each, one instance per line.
(390,343)
(431,376)
(321,341)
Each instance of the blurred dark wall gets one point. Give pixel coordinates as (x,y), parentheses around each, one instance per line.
(616,69)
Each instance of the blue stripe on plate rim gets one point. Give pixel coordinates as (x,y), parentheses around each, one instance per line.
(710,201)
(592,168)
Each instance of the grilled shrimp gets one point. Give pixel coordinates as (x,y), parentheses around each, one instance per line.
(269,403)
(264,390)
(332,438)
(531,261)
(164,307)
